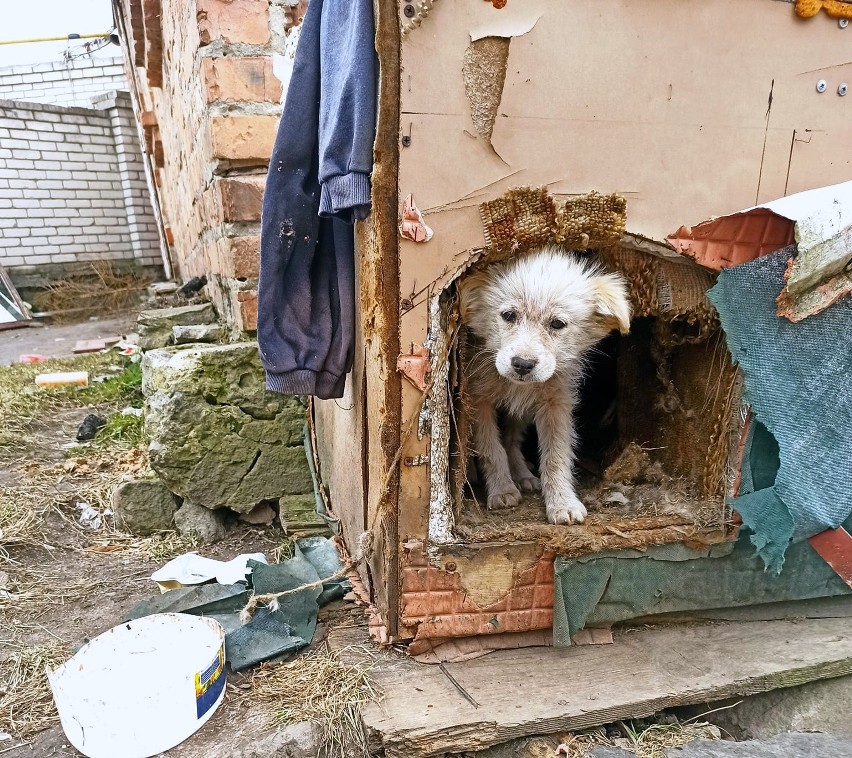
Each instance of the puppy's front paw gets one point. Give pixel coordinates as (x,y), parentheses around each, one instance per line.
(568,511)
(529,483)
(505,499)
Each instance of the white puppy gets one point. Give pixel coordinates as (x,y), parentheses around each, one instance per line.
(533,319)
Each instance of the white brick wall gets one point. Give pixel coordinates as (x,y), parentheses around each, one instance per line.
(72,186)
(73,84)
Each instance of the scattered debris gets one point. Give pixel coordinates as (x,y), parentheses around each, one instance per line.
(92,518)
(193,286)
(192,568)
(89,428)
(31,358)
(63,379)
(95,346)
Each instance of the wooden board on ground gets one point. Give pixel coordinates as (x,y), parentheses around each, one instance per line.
(547,690)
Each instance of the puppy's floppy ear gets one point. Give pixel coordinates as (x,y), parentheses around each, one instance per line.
(613,302)
(469,289)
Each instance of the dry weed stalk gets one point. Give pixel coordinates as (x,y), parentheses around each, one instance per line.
(320,687)
(99,289)
(26,702)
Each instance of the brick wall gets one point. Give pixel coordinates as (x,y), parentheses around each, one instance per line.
(72,189)
(72,84)
(208,82)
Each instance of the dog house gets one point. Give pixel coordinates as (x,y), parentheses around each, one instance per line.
(602,126)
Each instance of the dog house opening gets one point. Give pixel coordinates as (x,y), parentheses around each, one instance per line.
(657,425)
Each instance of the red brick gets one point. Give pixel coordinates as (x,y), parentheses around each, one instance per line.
(247,310)
(244,257)
(152,12)
(242,198)
(240,79)
(244,139)
(233,21)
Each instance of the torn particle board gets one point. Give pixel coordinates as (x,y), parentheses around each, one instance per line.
(542,690)
(484,72)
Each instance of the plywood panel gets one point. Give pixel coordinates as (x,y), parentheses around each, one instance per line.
(544,690)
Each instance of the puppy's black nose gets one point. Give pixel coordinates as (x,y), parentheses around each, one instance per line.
(523,366)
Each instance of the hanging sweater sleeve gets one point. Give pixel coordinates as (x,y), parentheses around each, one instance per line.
(347,120)
(294,315)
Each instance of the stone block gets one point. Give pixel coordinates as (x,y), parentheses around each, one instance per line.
(144,506)
(824,705)
(202,523)
(154,327)
(217,437)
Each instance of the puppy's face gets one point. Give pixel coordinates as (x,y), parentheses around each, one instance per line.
(538,314)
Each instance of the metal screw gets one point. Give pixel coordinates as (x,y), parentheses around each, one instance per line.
(450,566)
(408,11)
(843,22)
(822,85)
(842,89)
(406,140)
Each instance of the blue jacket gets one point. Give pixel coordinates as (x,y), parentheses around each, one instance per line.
(318,184)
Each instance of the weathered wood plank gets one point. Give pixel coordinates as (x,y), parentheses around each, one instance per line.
(548,690)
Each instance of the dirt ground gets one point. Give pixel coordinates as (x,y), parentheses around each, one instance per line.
(62,582)
(58,340)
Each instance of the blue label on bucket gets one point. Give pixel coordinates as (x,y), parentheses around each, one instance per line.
(210,683)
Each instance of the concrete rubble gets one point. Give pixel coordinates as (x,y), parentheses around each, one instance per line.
(154,327)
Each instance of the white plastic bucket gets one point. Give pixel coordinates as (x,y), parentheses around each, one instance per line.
(142,687)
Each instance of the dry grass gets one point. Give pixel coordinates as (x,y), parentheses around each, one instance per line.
(26,703)
(100,289)
(21,517)
(319,687)
(644,742)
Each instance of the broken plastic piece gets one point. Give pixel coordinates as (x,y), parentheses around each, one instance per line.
(142,687)
(192,568)
(413,226)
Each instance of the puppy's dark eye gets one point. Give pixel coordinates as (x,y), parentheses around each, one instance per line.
(510,317)
(557,324)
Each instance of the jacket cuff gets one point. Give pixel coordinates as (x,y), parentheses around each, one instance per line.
(347,196)
(321,384)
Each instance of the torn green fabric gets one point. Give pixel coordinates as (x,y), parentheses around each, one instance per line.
(607,588)
(200,600)
(797,381)
(266,635)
